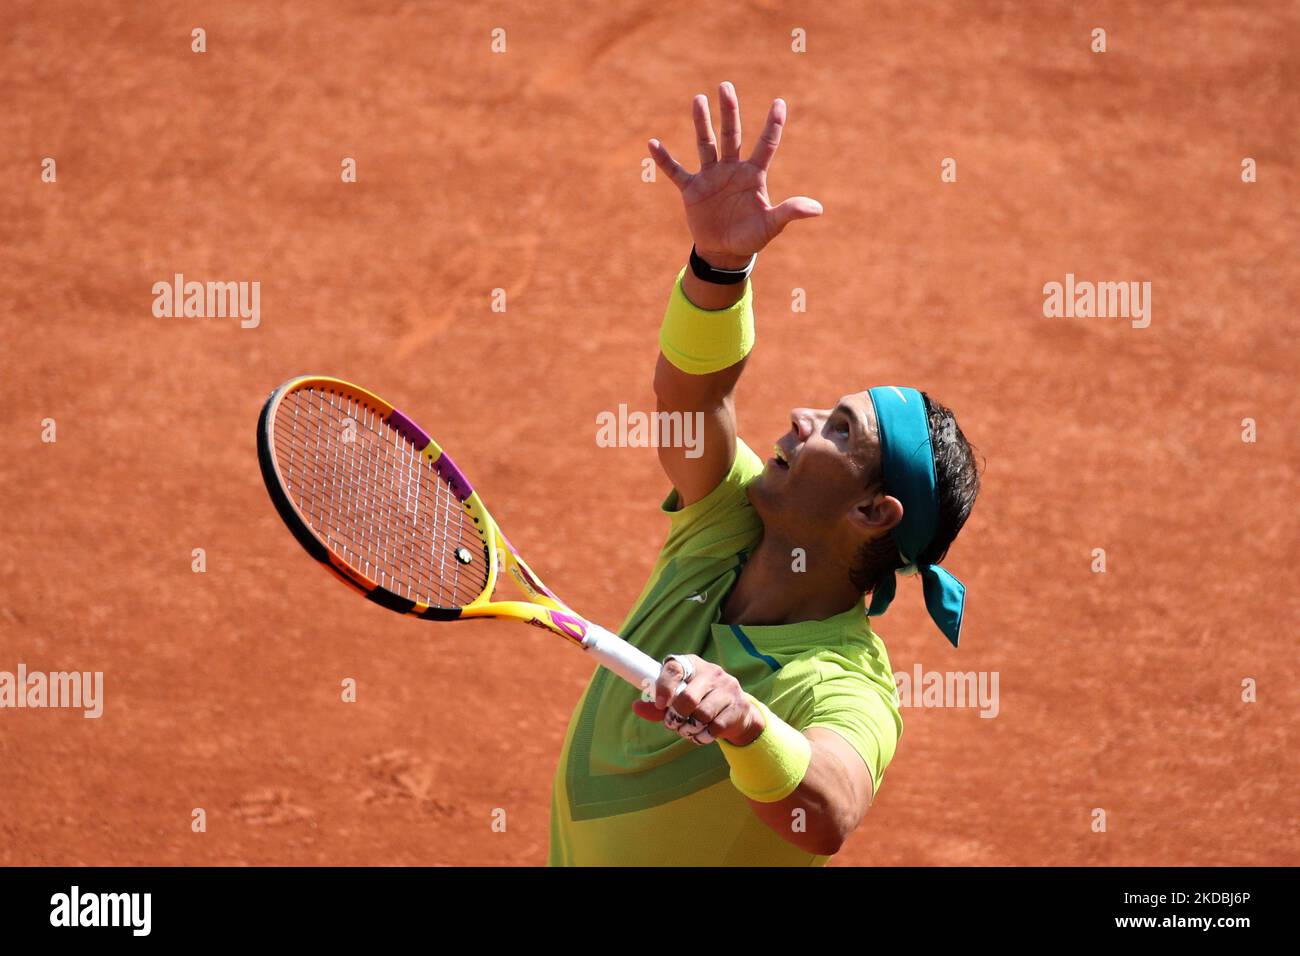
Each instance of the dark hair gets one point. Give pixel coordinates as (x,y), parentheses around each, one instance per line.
(957,482)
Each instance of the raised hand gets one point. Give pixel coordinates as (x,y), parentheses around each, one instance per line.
(727,206)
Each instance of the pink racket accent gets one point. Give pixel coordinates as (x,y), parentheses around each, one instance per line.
(575,627)
(412,432)
(447,470)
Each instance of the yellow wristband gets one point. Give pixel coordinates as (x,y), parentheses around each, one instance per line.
(771,767)
(699,341)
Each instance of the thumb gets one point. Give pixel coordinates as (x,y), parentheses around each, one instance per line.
(796,207)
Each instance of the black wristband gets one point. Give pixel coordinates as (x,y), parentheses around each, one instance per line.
(706,273)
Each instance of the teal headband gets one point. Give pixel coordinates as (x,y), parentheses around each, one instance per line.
(907,461)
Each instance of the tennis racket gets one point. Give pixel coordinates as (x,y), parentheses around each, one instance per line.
(376,501)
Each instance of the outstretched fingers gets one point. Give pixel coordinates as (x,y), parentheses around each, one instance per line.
(770,138)
(673,169)
(704,138)
(730,108)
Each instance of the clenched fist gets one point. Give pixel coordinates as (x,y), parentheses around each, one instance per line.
(710,705)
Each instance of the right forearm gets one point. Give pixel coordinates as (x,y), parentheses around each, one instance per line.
(679,391)
(708,327)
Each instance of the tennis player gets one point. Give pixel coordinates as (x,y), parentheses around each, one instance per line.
(766,738)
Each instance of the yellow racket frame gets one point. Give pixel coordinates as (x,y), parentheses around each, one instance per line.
(542,609)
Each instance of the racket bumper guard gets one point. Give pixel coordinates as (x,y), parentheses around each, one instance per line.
(412,432)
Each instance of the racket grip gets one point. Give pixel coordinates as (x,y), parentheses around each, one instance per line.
(611,651)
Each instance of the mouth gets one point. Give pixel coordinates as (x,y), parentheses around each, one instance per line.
(779,459)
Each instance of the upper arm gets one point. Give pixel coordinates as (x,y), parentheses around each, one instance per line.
(854,726)
(865,717)
(846,773)
(697,466)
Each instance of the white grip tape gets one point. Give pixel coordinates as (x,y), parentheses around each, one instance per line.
(611,651)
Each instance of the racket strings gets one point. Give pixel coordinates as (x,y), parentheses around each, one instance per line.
(366,480)
(367,472)
(340,501)
(375,500)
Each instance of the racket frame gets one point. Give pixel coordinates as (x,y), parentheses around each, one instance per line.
(542,609)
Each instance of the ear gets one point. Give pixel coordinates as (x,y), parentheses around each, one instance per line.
(876,514)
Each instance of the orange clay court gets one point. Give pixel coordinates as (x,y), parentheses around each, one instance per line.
(1120,691)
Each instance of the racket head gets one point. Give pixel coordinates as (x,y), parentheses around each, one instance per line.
(326,491)
(370,495)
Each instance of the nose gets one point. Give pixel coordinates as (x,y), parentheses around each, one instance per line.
(801,420)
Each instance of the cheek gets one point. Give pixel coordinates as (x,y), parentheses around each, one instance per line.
(829,473)
(828,488)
